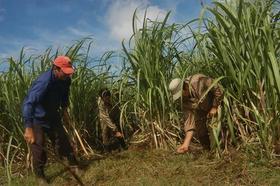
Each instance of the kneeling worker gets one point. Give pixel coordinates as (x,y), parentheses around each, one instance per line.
(109,121)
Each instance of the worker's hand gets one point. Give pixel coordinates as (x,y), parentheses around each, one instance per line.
(182,149)
(118,135)
(213,112)
(29,135)
(65,113)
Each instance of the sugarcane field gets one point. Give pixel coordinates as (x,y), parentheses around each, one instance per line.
(190,96)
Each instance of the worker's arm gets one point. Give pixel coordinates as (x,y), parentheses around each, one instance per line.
(66,117)
(35,95)
(218,97)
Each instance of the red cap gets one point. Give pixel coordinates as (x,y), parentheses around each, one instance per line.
(64,63)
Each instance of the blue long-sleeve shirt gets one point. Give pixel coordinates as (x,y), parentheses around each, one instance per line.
(46,95)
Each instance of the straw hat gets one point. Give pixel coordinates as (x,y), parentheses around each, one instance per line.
(175,87)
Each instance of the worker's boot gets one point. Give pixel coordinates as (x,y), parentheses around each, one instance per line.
(41,181)
(122,143)
(41,178)
(205,141)
(76,170)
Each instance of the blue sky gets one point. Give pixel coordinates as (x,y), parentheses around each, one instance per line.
(39,24)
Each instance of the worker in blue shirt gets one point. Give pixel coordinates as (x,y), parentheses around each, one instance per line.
(42,108)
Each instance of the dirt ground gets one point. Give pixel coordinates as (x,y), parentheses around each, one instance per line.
(164,167)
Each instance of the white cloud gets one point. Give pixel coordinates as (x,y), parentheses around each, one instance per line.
(43,40)
(118,18)
(79,32)
(120,14)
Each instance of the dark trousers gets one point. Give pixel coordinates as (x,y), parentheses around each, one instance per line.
(110,142)
(59,140)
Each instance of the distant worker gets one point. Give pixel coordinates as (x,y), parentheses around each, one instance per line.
(198,105)
(43,108)
(109,117)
